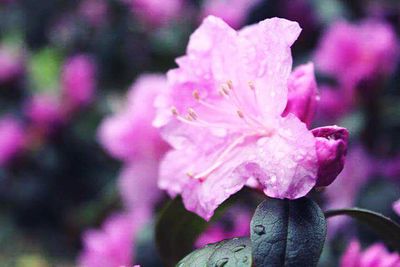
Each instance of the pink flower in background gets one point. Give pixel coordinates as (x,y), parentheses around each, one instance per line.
(130,136)
(78,81)
(303,93)
(354,52)
(333,103)
(44,111)
(331,151)
(233,12)
(11,64)
(12,139)
(227,97)
(375,256)
(343,191)
(396,207)
(157,12)
(235,223)
(113,245)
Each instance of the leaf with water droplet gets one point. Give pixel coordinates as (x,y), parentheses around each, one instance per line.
(287,233)
(234,252)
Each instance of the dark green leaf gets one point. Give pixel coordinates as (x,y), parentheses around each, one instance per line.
(176,231)
(387,229)
(234,252)
(287,233)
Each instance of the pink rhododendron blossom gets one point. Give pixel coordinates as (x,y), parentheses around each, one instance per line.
(12,139)
(129,134)
(156,12)
(343,191)
(235,223)
(227,97)
(233,12)
(354,52)
(396,207)
(44,111)
(78,81)
(113,245)
(331,152)
(375,256)
(11,64)
(303,93)
(333,103)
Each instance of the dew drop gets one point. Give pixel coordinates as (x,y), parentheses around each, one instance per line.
(221,262)
(259,229)
(238,248)
(245,259)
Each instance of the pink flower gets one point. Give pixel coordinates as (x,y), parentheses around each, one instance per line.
(303,93)
(233,12)
(44,111)
(331,152)
(235,223)
(228,95)
(113,245)
(375,256)
(129,134)
(12,139)
(156,12)
(78,81)
(333,103)
(11,64)
(354,52)
(396,207)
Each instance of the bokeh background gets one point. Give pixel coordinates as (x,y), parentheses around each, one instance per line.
(66,65)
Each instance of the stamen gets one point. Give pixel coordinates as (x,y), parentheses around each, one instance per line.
(196,95)
(174,111)
(251,85)
(230,84)
(192,113)
(240,114)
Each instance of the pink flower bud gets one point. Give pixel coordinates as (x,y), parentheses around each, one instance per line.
(331,144)
(78,80)
(302,93)
(12,139)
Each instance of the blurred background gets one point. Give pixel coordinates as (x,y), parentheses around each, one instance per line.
(67,65)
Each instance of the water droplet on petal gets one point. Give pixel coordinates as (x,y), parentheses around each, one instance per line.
(245,259)
(259,229)
(238,248)
(221,262)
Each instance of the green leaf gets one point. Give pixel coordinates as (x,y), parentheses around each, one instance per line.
(387,229)
(234,252)
(287,233)
(176,231)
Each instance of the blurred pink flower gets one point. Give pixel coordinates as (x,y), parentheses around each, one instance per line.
(375,256)
(44,111)
(12,139)
(235,223)
(227,97)
(233,12)
(333,103)
(11,64)
(113,245)
(129,134)
(78,81)
(396,207)
(331,151)
(157,12)
(343,191)
(354,52)
(302,93)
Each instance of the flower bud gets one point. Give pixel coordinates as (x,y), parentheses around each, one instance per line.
(302,93)
(331,145)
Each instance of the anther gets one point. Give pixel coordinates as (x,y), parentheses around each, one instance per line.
(230,84)
(174,111)
(192,113)
(251,85)
(240,114)
(196,95)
